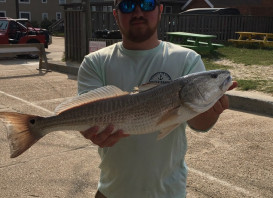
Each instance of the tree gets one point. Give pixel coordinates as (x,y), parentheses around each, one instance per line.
(46,23)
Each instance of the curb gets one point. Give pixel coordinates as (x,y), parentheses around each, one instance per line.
(238,100)
(64,68)
(251,105)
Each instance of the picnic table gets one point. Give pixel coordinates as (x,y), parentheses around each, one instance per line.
(264,39)
(10,50)
(197,42)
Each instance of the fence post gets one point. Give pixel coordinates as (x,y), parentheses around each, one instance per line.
(88,28)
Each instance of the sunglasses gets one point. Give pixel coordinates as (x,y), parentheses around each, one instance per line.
(129,6)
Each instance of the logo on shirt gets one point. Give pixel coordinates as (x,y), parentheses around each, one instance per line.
(160,77)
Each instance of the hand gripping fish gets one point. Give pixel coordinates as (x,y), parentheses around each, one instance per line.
(154,107)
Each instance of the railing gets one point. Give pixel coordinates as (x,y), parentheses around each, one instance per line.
(57,26)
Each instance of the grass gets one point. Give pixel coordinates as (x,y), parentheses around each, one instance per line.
(258,85)
(247,56)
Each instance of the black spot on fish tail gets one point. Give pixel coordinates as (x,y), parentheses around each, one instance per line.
(32,121)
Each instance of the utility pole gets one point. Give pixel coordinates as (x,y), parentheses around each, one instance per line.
(17,9)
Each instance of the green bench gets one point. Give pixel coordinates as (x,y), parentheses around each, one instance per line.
(197,42)
(205,43)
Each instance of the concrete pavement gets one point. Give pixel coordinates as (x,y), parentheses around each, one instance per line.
(234,159)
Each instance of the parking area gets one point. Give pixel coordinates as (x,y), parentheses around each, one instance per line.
(234,159)
(63,164)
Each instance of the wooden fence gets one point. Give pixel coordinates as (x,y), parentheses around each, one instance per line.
(224,27)
(75,35)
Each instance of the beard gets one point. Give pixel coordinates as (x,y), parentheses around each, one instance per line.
(141,33)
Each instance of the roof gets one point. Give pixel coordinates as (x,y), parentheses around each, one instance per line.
(226,3)
(232,3)
(212,11)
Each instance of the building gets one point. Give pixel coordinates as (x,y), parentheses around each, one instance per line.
(246,7)
(34,10)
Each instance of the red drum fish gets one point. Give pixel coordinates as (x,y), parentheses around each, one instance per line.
(153,107)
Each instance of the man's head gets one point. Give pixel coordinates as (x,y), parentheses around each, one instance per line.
(137,19)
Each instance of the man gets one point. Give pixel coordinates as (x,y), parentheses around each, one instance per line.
(139,166)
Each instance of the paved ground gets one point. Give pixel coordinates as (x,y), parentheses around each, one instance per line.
(234,159)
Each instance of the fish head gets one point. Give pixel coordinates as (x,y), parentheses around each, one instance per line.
(203,89)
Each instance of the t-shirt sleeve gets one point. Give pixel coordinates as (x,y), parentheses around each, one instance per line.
(89,76)
(193,63)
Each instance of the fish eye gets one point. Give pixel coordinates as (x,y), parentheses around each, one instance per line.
(214,75)
(32,121)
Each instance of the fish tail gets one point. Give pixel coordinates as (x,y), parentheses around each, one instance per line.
(19,133)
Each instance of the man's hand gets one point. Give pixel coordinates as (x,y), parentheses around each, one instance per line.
(234,85)
(223,103)
(106,138)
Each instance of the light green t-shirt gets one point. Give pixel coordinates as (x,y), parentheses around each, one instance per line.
(139,166)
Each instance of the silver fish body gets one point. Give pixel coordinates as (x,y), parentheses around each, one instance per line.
(153,108)
(133,113)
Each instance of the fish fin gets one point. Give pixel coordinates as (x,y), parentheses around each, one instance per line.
(146,87)
(89,97)
(164,132)
(169,116)
(19,135)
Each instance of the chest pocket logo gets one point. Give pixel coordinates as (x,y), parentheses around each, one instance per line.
(160,77)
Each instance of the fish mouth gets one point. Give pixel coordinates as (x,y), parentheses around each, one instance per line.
(226,84)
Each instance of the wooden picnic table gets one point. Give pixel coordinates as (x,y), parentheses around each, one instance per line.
(198,42)
(11,50)
(265,39)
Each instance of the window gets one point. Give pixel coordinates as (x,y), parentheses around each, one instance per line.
(26,15)
(24,1)
(44,1)
(62,1)
(3,24)
(58,15)
(44,16)
(93,8)
(2,13)
(107,8)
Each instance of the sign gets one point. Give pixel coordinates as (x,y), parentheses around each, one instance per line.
(96,45)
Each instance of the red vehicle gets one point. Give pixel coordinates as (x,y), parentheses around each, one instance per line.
(20,31)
